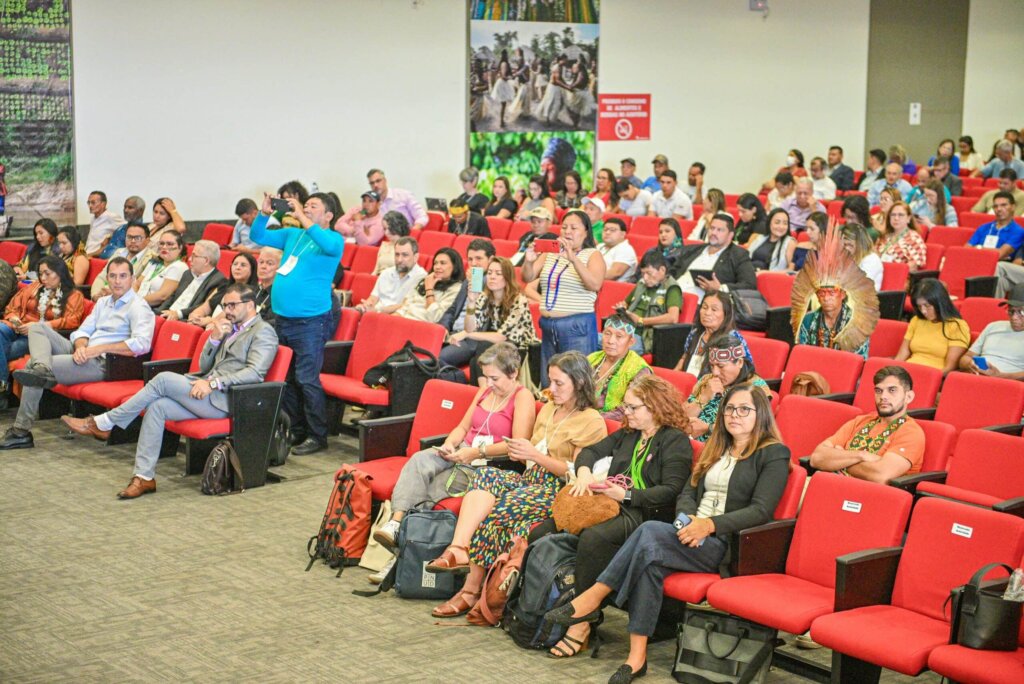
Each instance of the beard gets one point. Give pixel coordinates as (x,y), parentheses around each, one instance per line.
(891,411)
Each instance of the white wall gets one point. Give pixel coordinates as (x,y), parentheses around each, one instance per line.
(993,89)
(208,101)
(734,90)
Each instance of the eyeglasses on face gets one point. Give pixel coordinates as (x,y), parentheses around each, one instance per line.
(631,408)
(228,306)
(738,411)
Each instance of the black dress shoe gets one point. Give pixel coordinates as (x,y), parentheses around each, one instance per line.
(296,437)
(36,376)
(16,438)
(310,446)
(625,674)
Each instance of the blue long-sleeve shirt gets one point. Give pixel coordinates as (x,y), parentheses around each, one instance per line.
(305,290)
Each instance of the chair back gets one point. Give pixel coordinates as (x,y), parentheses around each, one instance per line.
(175,340)
(980,311)
(949,236)
(964,262)
(927,382)
(770,356)
(380,335)
(347,324)
(840,368)
(886,338)
(683,382)
(806,422)
(433,240)
(775,287)
(939,440)
(988,463)
(789,504)
(977,401)
(435,221)
(500,228)
(364,259)
(221,233)
(278,370)
(362,286)
(442,405)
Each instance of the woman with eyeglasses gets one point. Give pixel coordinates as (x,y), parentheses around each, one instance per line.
(737,483)
(643,468)
(727,366)
(616,365)
(160,277)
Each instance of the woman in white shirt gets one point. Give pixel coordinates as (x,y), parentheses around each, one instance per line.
(859,246)
(159,279)
(714,202)
(969,157)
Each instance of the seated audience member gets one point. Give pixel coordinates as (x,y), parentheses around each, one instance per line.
(246,211)
(8,283)
(670,241)
(571,196)
(713,203)
(817,224)
(619,255)
(932,209)
(893,179)
(466,222)
(898,155)
(802,204)
(120,324)
(969,157)
(650,461)
(945,150)
(924,175)
(635,201)
(72,251)
(239,351)
(886,200)
(774,251)
(471,195)
(615,365)
(1003,160)
(501,408)
(736,483)
(363,223)
(1001,343)
(728,365)
(657,299)
(753,220)
(874,170)
(1007,183)
(784,189)
(1004,233)
(503,504)
(395,228)
(595,208)
(396,199)
(102,224)
(670,201)
(729,263)
(861,248)
(159,278)
(502,205)
(627,167)
(540,227)
(824,187)
(878,446)
(1010,273)
(243,272)
(715,317)
(395,282)
(136,239)
(266,270)
(794,166)
(856,210)
(840,173)
(950,180)
(900,242)
(197,283)
(604,189)
(431,297)
(538,195)
(478,255)
(134,208)
(165,219)
(53,300)
(695,182)
(44,243)
(937,336)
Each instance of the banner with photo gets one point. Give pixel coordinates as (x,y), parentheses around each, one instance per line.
(36,126)
(533,90)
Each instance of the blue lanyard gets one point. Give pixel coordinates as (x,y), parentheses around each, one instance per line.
(549,299)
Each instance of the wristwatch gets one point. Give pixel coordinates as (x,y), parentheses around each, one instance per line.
(627,498)
(482,449)
(215,383)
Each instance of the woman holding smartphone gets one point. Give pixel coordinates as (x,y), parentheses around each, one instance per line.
(736,484)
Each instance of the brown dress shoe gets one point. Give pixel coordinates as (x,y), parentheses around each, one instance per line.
(86,426)
(136,488)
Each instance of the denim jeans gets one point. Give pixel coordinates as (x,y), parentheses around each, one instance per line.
(304,399)
(578,332)
(12,346)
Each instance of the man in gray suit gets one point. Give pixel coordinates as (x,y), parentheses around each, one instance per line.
(239,351)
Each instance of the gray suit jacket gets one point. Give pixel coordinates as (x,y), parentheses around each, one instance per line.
(244,360)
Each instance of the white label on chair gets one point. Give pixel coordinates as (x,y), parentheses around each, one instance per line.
(175,337)
(447,404)
(427,578)
(962,530)
(851,506)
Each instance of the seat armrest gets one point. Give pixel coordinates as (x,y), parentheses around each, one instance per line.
(533,359)
(763,549)
(805,463)
(779,326)
(841,397)
(669,340)
(980,286)
(866,578)
(125,367)
(909,482)
(431,441)
(382,437)
(1014,506)
(890,304)
(775,384)
(918,276)
(150,369)
(922,413)
(336,354)
(1008,429)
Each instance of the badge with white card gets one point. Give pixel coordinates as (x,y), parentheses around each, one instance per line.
(286,268)
(485,440)
(990,241)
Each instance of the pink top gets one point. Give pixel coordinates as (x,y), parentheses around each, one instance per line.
(497,424)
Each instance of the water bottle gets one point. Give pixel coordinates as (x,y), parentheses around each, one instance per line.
(1015,588)
(314,188)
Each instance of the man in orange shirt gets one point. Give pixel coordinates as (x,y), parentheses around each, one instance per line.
(879,446)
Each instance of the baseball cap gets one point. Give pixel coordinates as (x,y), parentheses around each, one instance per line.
(1015,297)
(660,159)
(628,160)
(541,213)
(596,201)
(372,194)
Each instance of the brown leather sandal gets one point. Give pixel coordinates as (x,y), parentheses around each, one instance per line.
(460,604)
(447,563)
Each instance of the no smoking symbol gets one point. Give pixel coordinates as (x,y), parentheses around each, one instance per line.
(623,129)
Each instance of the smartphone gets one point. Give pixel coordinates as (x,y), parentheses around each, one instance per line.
(981,362)
(542,246)
(280,205)
(598,486)
(476,279)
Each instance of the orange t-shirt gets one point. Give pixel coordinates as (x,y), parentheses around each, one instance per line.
(907,441)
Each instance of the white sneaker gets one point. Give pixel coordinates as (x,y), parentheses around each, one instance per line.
(387,535)
(378,577)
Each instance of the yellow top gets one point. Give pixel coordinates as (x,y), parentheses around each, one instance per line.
(929,344)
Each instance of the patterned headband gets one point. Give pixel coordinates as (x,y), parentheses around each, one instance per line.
(619,324)
(725,355)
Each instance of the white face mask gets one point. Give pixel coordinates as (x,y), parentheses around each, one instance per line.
(790,160)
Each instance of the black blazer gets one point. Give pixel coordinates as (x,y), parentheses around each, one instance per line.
(733,268)
(475,225)
(842,176)
(664,474)
(212,282)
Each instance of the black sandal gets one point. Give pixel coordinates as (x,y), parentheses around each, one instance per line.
(572,641)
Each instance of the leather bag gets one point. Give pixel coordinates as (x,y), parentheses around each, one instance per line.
(981,617)
(222,473)
(500,579)
(713,648)
(573,514)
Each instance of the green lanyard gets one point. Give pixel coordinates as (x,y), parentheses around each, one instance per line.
(637,464)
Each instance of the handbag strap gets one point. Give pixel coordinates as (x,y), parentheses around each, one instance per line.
(709,629)
(975,580)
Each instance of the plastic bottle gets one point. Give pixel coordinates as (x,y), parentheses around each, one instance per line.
(1015,588)
(313,188)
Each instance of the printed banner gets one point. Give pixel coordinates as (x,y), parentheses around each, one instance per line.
(36,126)
(624,117)
(533,90)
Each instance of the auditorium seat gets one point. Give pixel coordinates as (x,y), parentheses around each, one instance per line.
(770,358)
(500,228)
(362,286)
(683,382)
(436,221)
(886,338)
(348,323)
(939,442)
(224,265)
(611,293)
(962,204)
(221,233)
(505,248)
(978,401)
(840,368)
(980,311)
(970,219)
(461,245)
(806,422)
(927,382)
(647,225)
(364,259)
(894,287)
(426,260)
(431,241)
(987,469)
(967,272)
(775,287)
(641,244)
(625,218)
(12,252)
(96,266)
(949,236)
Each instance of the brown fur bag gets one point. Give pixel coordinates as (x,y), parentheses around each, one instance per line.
(810,384)
(573,514)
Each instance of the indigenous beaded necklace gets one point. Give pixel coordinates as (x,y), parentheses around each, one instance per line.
(873,444)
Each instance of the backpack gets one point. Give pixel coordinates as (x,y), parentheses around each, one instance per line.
(547,581)
(380,375)
(500,579)
(422,537)
(279,446)
(222,471)
(751,309)
(345,527)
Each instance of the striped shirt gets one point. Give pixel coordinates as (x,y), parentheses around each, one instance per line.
(562,288)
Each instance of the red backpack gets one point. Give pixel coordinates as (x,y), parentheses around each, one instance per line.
(345,528)
(501,577)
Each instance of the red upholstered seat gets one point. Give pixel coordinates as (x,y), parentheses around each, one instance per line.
(365,258)
(683,382)
(433,240)
(769,355)
(775,287)
(12,252)
(959,404)
(939,440)
(611,293)
(221,233)
(353,390)
(108,394)
(840,368)
(200,428)
(348,324)
(646,225)
(362,287)
(805,422)
(986,468)
(886,338)
(436,221)
(383,474)
(980,311)
(960,263)
(452,503)
(501,228)
(949,236)
(927,381)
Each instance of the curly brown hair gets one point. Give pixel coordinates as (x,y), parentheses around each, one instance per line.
(662,399)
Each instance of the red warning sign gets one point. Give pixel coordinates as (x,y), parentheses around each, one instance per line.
(624,117)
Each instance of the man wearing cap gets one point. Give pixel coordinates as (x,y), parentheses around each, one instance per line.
(363,224)
(633,199)
(540,227)
(652,183)
(466,222)
(628,168)
(694,187)
(670,201)
(1000,344)
(594,207)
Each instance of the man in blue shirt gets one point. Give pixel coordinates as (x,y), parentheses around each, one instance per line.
(893,179)
(1004,233)
(134,208)
(301,301)
(653,183)
(1004,160)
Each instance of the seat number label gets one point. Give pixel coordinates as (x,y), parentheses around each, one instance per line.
(851,506)
(963,530)
(447,404)
(175,337)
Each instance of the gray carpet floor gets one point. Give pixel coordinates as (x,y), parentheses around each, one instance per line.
(177,586)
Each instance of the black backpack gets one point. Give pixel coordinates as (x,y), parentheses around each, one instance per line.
(547,581)
(223,471)
(380,375)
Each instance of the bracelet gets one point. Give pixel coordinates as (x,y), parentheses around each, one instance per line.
(429,293)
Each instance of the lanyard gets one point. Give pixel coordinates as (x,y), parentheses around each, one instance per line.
(304,248)
(551,298)
(640,456)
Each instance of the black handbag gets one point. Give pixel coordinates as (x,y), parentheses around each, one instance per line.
(981,617)
(750,309)
(380,375)
(712,648)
